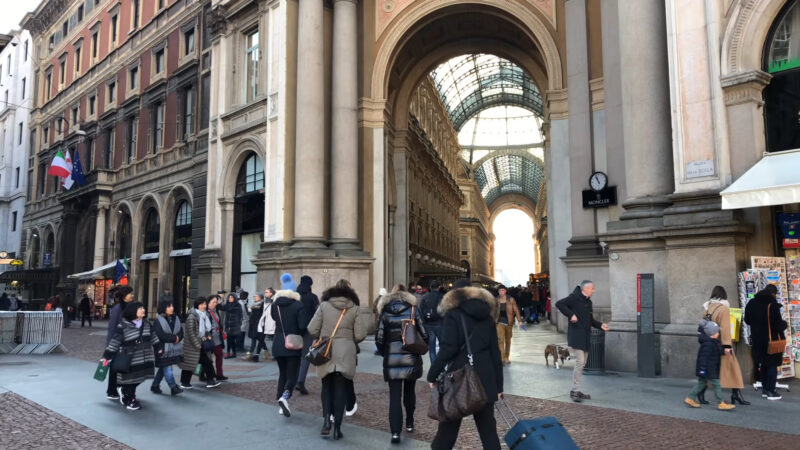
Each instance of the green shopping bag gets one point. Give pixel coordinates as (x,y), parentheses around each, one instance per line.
(101,372)
(198,370)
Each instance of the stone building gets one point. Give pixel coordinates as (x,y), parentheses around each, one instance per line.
(125,86)
(15,89)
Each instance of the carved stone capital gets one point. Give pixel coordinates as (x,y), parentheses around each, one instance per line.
(371,112)
(598,94)
(217,20)
(557,104)
(745,87)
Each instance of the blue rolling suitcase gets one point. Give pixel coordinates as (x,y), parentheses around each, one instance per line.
(534,434)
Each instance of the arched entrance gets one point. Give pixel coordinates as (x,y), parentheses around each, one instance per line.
(248,222)
(181,256)
(148,261)
(514,256)
(510,53)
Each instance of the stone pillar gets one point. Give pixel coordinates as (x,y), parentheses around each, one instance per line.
(645,108)
(400,236)
(100,236)
(344,124)
(309,185)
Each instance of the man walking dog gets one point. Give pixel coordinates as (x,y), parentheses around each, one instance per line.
(578,308)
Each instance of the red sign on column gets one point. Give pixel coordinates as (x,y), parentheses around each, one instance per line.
(638,292)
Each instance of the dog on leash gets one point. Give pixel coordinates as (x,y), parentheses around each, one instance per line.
(557,352)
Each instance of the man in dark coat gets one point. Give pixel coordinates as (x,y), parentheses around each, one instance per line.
(578,309)
(430,316)
(85,308)
(762,306)
(310,304)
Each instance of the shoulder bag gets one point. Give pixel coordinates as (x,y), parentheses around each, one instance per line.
(458,393)
(290,341)
(412,339)
(122,360)
(320,351)
(775,346)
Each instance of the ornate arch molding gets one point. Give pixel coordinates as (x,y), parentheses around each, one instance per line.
(746,34)
(397,33)
(237,157)
(511,201)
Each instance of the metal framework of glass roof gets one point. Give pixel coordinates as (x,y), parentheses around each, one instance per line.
(495,106)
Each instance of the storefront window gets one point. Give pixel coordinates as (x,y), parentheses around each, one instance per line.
(183,227)
(782,95)
(151,232)
(251,176)
(124,239)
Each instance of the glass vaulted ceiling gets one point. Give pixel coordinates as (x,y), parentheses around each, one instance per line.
(497,110)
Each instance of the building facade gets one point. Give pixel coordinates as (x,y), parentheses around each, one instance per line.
(15,89)
(123,86)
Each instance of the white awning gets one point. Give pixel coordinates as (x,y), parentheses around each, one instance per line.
(94,274)
(181,252)
(148,256)
(775,180)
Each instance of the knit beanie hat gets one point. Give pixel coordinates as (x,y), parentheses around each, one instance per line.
(710,328)
(305,279)
(287,283)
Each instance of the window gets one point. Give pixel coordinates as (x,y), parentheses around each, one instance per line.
(188,41)
(59,123)
(62,71)
(14,220)
(782,95)
(114,20)
(188,113)
(135,8)
(92,104)
(8,65)
(252,180)
(160,4)
(251,66)
(108,155)
(157,113)
(184,216)
(29,185)
(158,61)
(16,178)
(32,143)
(48,84)
(74,122)
(52,43)
(19,138)
(133,75)
(5,98)
(132,126)
(64,29)
(41,177)
(45,135)
(80,13)
(77,61)
(22,88)
(25,51)
(205,101)
(87,162)
(112,93)
(94,45)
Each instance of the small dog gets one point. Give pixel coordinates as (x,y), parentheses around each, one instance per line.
(557,352)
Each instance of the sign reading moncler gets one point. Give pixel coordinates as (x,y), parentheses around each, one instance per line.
(600,195)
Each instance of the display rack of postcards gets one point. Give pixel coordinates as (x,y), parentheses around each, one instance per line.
(774,268)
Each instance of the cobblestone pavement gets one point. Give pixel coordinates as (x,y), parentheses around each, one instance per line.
(26,424)
(590,426)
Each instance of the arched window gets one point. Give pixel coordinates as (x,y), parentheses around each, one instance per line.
(151,232)
(782,95)
(35,250)
(251,176)
(124,237)
(49,249)
(182,237)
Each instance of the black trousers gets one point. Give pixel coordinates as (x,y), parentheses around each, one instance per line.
(84,318)
(447,434)
(404,389)
(769,378)
(233,343)
(207,370)
(112,382)
(288,368)
(128,392)
(259,339)
(337,392)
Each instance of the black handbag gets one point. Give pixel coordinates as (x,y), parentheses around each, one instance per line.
(122,360)
(458,393)
(319,352)
(207,345)
(412,338)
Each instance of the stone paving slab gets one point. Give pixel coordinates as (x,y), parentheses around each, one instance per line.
(25,424)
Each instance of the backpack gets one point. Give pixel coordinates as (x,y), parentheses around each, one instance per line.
(430,308)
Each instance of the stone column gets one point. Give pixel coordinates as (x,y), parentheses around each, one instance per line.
(100,236)
(344,124)
(309,185)
(645,108)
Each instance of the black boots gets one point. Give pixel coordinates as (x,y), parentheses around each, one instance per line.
(301,388)
(736,396)
(701,397)
(326,426)
(337,432)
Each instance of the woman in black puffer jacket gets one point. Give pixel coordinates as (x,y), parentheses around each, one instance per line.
(401,369)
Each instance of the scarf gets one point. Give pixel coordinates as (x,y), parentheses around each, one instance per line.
(138,323)
(252,304)
(712,301)
(204,323)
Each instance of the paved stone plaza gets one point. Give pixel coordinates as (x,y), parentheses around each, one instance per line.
(53,402)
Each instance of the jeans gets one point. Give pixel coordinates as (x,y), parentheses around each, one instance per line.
(434,331)
(404,389)
(165,373)
(447,433)
(577,372)
(307,341)
(701,386)
(288,368)
(259,339)
(336,394)
(769,378)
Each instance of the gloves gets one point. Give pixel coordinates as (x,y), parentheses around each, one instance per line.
(523,328)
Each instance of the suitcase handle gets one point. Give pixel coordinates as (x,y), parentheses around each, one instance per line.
(506,406)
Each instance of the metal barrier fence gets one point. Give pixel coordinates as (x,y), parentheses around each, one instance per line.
(25,332)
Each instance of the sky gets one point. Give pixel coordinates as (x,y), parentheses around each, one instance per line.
(513,247)
(12,12)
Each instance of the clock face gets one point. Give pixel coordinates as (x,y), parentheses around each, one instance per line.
(598,181)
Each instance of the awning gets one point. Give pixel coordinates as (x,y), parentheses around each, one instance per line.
(29,275)
(180,252)
(148,256)
(99,273)
(775,180)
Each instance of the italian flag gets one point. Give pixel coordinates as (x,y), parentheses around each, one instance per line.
(68,182)
(60,167)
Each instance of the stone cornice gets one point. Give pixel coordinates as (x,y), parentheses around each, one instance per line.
(745,87)
(371,112)
(557,104)
(598,94)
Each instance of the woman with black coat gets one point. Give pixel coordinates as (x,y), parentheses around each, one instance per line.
(763,306)
(477,308)
(287,312)
(255,307)
(168,328)
(234,314)
(401,369)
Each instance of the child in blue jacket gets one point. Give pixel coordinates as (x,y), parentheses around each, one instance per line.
(708,363)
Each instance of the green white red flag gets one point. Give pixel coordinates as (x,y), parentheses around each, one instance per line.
(59,167)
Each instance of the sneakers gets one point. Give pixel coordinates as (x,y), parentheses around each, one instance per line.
(222,378)
(283,403)
(395,438)
(410,427)
(773,396)
(212,383)
(301,388)
(156,389)
(112,396)
(186,386)
(349,413)
(691,402)
(175,390)
(575,397)
(134,405)
(280,410)
(584,396)
(247,356)
(725,406)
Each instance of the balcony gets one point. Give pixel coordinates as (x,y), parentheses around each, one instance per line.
(100,181)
